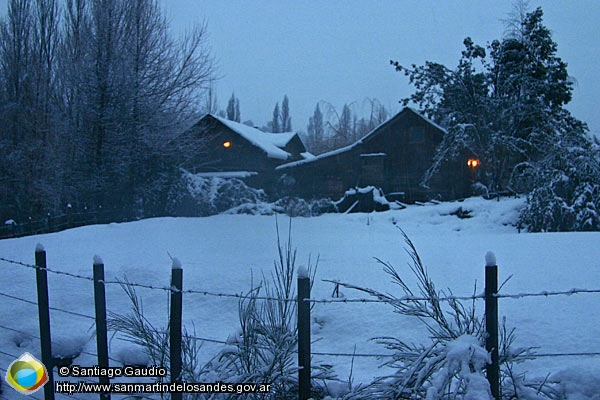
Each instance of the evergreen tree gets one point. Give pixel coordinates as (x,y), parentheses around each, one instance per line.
(508,109)
(211,103)
(233,109)
(286,120)
(275,125)
(238,115)
(316,131)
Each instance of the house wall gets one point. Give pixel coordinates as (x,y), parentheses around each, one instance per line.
(409,142)
(241,155)
(295,147)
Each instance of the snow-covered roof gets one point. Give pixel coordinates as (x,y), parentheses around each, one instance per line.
(271,143)
(226,174)
(318,157)
(373,155)
(358,142)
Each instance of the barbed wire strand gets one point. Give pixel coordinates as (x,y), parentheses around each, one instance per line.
(536,355)
(19,331)
(53,271)
(38,338)
(546,293)
(322,301)
(50,308)
(331,354)
(544,355)
(8,354)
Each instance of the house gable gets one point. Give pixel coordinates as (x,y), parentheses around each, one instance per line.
(394,156)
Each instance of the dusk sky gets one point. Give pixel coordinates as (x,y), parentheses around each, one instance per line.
(339,51)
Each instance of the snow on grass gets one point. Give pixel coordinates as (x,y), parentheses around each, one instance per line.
(466,358)
(222,253)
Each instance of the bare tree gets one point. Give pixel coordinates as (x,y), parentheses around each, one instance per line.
(89,100)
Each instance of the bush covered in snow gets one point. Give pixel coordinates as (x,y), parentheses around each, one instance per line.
(567,192)
(264,346)
(452,365)
(262,349)
(198,195)
(201,195)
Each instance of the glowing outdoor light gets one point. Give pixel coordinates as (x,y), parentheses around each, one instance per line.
(227,144)
(473,163)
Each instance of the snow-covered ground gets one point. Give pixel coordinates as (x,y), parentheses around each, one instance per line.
(222,253)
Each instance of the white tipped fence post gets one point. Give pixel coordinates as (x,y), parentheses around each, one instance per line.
(491,322)
(101,329)
(175,324)
(303,334)
(44,318)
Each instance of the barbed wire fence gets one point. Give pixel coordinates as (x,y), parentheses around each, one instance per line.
(178,291)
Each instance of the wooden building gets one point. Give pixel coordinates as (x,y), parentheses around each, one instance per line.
(393,157)
(215,146)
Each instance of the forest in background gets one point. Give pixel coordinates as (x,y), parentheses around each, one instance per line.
(93,91)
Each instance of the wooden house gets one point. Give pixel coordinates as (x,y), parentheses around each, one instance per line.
(394,157)
(215,146)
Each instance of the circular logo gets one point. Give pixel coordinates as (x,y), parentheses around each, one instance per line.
(26,374)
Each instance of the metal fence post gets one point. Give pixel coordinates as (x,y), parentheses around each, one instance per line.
(491,322)
(175,324)
(44,318)
(303,336)
(101,329)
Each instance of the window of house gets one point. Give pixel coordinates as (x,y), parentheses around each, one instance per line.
(416,134)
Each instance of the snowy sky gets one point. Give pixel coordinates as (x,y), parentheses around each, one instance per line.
(339,52)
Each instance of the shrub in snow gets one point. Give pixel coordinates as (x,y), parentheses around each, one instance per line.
(479,189)
(463,360)
(292,206)
(137,330)
(567,188)
(322,206)
(252,209)
(133,355)
(65,350)
(197,195)
(452,365)
(297,207)
(550,210)
(264,347)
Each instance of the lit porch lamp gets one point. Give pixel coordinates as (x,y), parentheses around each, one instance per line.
(473,163)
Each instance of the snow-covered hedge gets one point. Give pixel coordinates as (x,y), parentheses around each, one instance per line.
(292,206)
(199,195)
(561,206)
(202,195)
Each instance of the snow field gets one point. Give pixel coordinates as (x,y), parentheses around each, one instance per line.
(222,254)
